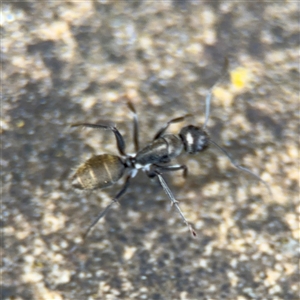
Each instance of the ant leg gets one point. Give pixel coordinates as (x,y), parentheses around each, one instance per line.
(104,212)
(209,93)
(173,168)
(242,168)
(173,200)
(165,127)
(135,126)
(119,137)
(107,208)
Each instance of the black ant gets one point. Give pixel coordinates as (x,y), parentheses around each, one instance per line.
(104,170)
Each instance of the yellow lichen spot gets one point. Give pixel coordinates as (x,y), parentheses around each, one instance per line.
(20,123)
(240,78)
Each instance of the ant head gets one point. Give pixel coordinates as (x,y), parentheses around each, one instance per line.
(194,139)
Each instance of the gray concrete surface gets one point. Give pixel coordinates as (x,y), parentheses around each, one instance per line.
(66,62)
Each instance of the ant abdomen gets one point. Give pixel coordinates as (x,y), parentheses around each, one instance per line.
(99,171)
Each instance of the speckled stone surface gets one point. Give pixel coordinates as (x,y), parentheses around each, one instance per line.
(67,62)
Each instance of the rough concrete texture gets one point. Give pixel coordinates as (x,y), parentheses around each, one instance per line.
(66,62)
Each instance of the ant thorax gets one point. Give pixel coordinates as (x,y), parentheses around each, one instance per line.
(160,151)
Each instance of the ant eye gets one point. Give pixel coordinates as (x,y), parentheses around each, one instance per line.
(194,139)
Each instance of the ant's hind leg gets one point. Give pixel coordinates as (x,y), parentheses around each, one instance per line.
(104,212)
(118,135)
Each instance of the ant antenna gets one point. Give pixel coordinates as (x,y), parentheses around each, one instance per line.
(209,93)
(242,168)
